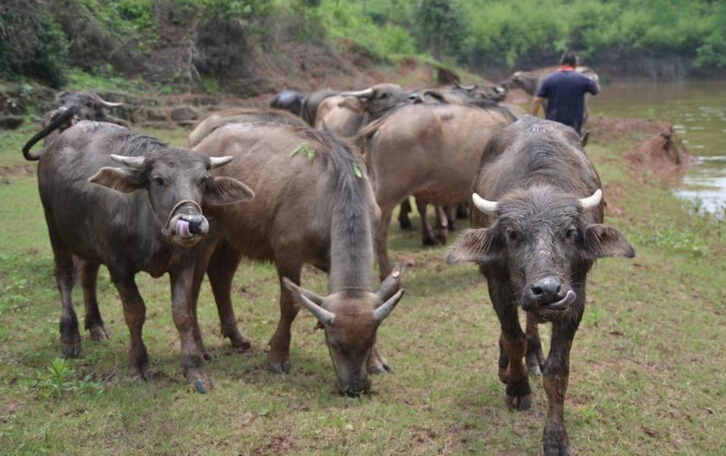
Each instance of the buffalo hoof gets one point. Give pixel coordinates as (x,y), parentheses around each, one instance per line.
(519,402)
(199,380)
(278,365)
(556,444)
(142,374)
(207,355)
(428,242)
(71,347)
(99,333)
(534,370)
(240,342)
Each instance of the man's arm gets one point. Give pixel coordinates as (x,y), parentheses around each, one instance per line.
(536,103)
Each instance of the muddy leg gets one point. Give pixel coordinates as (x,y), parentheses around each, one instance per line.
(65,276)
(441,231)
(93,323)
(535,358)
(384,265)
(221,269)
(512,346)
(278,359)
(192,360)
(556,377)
(451,217)
(427,234)
(403,220)
(135,316)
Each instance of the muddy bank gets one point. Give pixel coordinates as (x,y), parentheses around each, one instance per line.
(657,146)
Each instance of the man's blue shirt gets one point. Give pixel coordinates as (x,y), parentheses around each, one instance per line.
(565,94)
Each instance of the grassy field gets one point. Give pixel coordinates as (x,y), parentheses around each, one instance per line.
(648,375)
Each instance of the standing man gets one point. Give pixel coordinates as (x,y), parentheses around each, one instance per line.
(565,91)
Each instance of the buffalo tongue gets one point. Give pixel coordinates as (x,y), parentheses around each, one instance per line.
(182,229)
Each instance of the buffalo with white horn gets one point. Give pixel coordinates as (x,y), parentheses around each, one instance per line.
(537,217)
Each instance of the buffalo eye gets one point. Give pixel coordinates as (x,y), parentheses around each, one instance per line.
(571,234)
(158,181)
(511,235)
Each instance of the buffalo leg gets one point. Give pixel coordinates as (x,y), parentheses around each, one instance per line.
(279,357)
(93,320)
(65,276)
(220,271)
(556,376)
(451,217)
(427,234)
(384,265)
(135,316)
(535,358)
(202,254)
(192,359)
(462,211)
(441,232)
(403,220)
(512,345)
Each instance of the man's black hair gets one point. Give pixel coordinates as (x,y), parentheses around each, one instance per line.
(569,58)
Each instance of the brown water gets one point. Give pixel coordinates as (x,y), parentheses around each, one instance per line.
(697,111)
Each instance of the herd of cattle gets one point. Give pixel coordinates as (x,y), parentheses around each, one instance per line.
(316,180)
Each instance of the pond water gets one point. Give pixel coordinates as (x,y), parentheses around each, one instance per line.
(697,110)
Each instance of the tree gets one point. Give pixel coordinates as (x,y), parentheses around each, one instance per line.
(441,27)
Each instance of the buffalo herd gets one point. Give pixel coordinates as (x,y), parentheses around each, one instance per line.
(315,179)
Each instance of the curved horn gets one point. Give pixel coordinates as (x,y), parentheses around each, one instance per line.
(591,202)
(325,317)
(133,162)
(216,162)
(105,103)
(468,88)
(385,309)
(367,93)
(391,284)
(486,206)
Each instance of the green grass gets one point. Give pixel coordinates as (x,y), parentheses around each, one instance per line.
(647,371)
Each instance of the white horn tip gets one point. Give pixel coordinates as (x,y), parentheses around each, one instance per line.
(592,201)
(485,206)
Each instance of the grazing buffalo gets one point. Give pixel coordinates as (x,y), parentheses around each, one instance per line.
(426,151)
(217,119)
(143,216)
(288,100)
(538,231)
(313,204)
(73,107)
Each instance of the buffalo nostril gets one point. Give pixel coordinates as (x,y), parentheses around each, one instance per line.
(537,291)
(547,287)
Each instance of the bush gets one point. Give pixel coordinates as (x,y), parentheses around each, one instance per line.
(32,43)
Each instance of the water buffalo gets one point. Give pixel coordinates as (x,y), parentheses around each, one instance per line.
(312,102)
(313,204)
(143,216)
(215,120)
(288,100)
(426,151)
(73,107)
(538,231)
(345,114)
(531,81)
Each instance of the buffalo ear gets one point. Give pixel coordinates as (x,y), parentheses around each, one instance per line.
(604,241)
(352,103)
(226,190)
(476,246)
(124,180)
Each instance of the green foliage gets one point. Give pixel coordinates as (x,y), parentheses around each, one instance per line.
(60,379)
(441,27)
(32,43)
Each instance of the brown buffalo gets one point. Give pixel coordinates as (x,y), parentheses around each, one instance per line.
(215,120)
(313,204)
(425,151)
(538,231)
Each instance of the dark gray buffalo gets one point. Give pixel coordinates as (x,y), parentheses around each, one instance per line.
(313,204)
(72,107)
(538,231)
(145,215)
(289,100)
